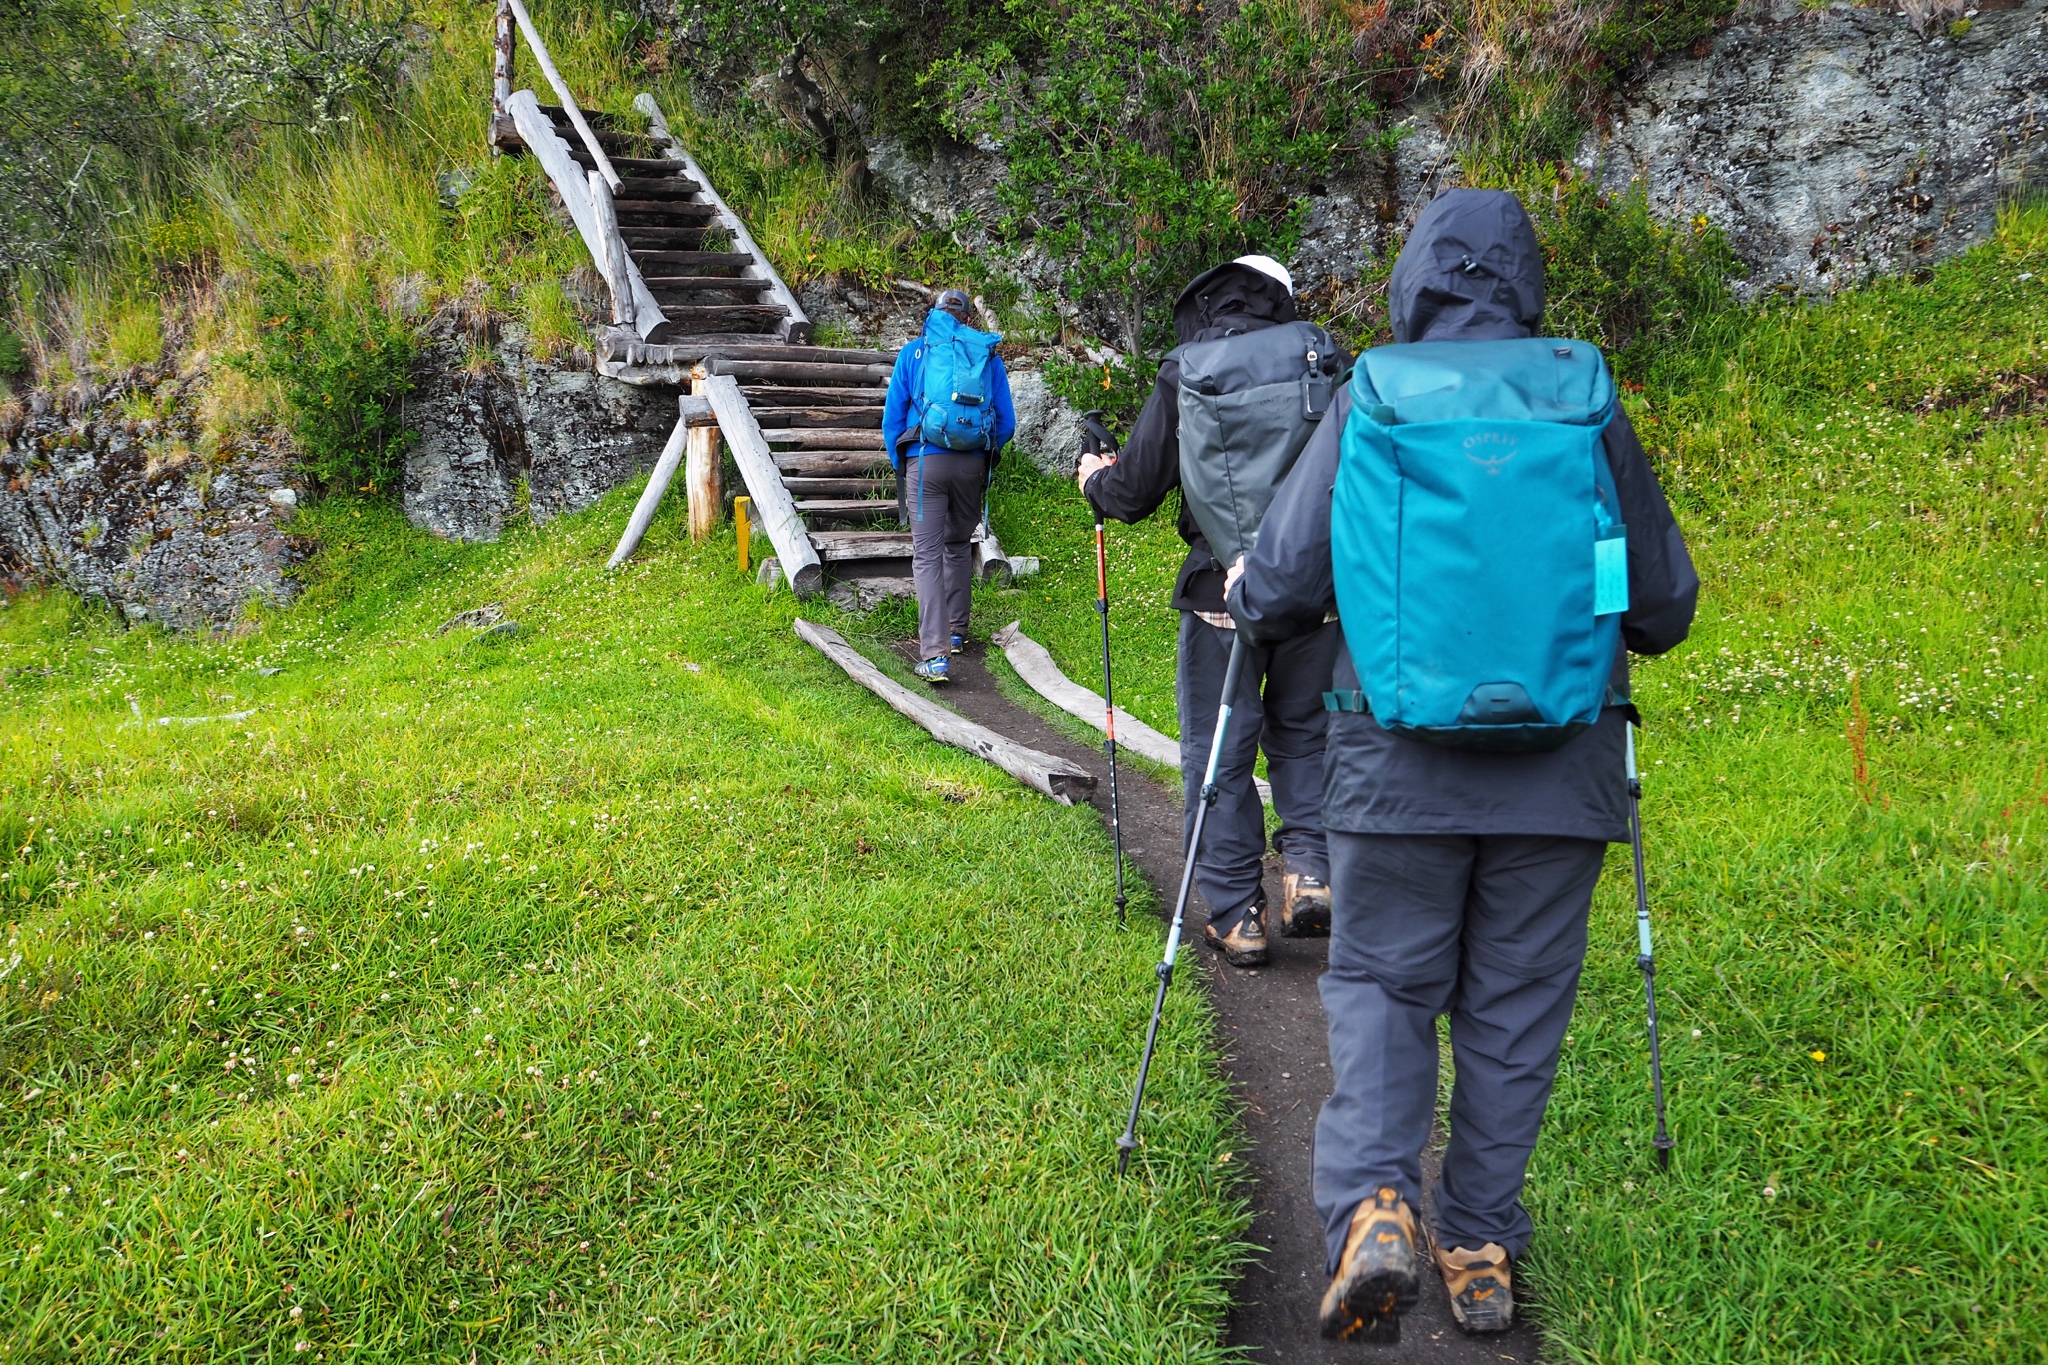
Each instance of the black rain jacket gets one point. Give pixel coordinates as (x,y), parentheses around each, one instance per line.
(1217,303)
(1471,271)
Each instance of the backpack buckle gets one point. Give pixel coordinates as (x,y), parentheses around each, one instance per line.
(1352,701)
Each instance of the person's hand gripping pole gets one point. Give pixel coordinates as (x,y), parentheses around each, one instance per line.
(1128,1143)
(1662,1141)
(1098,448)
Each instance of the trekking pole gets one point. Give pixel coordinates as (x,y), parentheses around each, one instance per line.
(1097,441)
(1662,1141)
(1128,1143)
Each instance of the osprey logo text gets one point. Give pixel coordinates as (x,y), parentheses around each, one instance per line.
(1503,450)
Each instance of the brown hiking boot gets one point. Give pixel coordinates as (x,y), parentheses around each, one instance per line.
(1304,906)
(1245,945)
(1376,1277)
(1481,1285)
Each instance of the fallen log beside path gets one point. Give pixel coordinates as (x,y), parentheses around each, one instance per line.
(1039,771)
(1034,664)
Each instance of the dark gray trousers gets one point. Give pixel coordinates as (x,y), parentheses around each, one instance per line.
(1490,929)
(1279,707)
(943,494)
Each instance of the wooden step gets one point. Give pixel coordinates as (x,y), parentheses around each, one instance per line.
(801,487)
(777,419)
(835,546)
(846,509)
(700,317)
(796,372)
(639,235)
(824,438)
(596,118)
(662,187)
(662,212)
(624,165)
(702,284)
(767,397)
(833,464)
(829,355)
(691,260)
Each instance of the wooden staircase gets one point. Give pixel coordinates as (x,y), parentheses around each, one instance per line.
(697,306)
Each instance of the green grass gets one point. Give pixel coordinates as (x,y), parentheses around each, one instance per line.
(634,987)
(1851,973)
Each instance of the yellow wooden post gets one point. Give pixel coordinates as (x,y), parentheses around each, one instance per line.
(743,530)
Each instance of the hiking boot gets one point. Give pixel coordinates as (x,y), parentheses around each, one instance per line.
(1245,945)
(1304,906)
(935,670)
(1376,1278)
(959,642)
(1481,1285)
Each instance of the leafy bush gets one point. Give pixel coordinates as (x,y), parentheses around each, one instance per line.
(300,62)
(344,364)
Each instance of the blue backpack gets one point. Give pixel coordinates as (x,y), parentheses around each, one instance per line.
(955,410)
(1481,564)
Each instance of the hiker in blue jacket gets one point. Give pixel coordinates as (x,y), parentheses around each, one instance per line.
(1461,877)
(946,420)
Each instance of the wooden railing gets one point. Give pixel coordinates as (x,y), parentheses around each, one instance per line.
(587,195)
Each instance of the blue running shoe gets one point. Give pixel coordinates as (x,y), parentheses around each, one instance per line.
(959,643)
(935,670)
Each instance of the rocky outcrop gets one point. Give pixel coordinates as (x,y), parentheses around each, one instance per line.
(1839,143)
(1048,429)
(141,512)
(491,413)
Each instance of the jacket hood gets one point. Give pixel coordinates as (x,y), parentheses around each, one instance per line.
(1471,271)
(1229,299)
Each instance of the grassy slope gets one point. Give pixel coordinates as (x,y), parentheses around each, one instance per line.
(1860,1118)
(634,984)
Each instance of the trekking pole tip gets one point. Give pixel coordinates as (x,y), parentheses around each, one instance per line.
(1664,1146)
(1125,1145)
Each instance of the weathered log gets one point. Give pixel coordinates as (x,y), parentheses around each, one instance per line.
(1041,772)
(833,464)
(614,265)
(769,395)
(644,165)
(574,186)
(773,506)
(501,59)
(1036,667)
(686,285)
(693,260)
(650,497)
(826,438)
(796,329)
(698,316)
(823,355)
(659,212)
(843,419)
(800,487)
(661,187)
(561,88)
(989,562)
(833,546)
(704,478)
(845,509)
(797,372)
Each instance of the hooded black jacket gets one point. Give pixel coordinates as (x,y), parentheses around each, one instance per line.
(1471,271)
(1217,303)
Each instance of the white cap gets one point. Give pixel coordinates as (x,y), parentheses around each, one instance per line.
(1266,265)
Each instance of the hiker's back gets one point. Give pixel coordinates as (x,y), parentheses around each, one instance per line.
(1476,541)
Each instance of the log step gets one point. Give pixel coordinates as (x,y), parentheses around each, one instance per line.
(662,187)
(846,509)
(662,212)
(834,546)
(796,372)
(844,419)
(693,260)
(833,464)
(658,238)
(691,284)
(801,487)
(768,397)
(825,438)
(624,165)
(747,313)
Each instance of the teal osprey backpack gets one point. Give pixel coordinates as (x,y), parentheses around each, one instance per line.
(955,410)
(1481,564)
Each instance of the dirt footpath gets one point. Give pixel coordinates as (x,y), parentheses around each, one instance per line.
(1275,1050)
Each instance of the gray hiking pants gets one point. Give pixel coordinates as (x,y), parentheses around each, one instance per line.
(1490,929)
(943,494)
(1279,707)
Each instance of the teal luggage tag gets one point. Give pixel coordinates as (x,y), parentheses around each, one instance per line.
(1610,572)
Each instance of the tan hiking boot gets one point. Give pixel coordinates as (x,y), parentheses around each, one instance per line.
(1245,945)
(1482,1287)
(1304,906)
(1376,1278)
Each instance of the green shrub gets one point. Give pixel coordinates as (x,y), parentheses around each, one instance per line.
(344,365)
(13,353)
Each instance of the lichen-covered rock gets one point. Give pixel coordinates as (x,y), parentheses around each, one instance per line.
(1048,430)
(144,516)
(488,418)
(1839,143)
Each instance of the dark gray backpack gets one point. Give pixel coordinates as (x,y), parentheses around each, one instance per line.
(1248,404)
